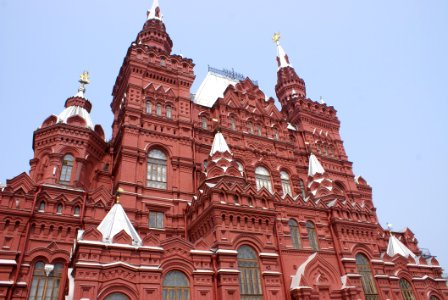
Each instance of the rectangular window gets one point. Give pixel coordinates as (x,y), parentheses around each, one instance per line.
(156,219)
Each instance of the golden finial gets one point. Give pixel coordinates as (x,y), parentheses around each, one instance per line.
(84,78)
(276,37)
(119,191)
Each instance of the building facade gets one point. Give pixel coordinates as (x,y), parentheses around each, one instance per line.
(216,195)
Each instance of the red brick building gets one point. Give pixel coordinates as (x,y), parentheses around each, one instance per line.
(216,195)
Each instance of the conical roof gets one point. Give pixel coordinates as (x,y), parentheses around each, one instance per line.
(154,11)
(219,144)
(314,166)
(115,221)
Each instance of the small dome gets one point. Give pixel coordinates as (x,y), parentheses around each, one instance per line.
(72,111)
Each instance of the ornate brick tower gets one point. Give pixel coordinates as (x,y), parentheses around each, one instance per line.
(213,195)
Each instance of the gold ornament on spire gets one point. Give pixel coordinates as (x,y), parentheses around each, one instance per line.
(84,78)
(276,37)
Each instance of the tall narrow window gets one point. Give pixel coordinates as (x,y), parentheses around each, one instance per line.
(156,219)
(259,129)
(148,107)
(276,134)
(286,186)
(406,290)
(168,111)
(59,209)
(156,173)
(175,286)
(250,128)
(232,123)
(41,206)
(368,285)
(250,284)
(204,122)
(263,179)
(46,281)
(66,171)
(240,167)
(294,231)
(76,211)
(312,235)
(159,109)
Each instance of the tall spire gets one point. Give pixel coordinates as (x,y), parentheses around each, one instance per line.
(282,58)
(154,12)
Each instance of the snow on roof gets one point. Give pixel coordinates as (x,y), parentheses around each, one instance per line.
(295,282)
(76,111)
(219,144)
(395,247)
(115,221)
(314,166)
(212,88)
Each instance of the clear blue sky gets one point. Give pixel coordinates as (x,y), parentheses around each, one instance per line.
(382,64)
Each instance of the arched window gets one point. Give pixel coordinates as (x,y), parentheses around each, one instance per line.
(263,179)
(176,286)
(286,186)
(46,281)
(148,107)
(41,206)
(156,173)
(302,188)
(368,285)
(59,209)
(76,211)
(204,122)
(159,109)
(294,231)
(168,111)
(406,290)
(117,296)
(433,298)
(232,123)
(66,171)
(250,285)
(312,235)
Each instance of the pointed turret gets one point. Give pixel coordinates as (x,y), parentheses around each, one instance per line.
(154,32)
(116,221)
(219,144)
(289,85)
(220,161)
(314,166)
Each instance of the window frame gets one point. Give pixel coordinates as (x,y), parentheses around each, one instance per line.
(158,217)
(294,234)
(250,282)
(65,176)
(51,282)
(169,289)
(407,290)
(157,169)
(286,183)
(367,280)
(312,235)
(148,107)
(168,112)
(263,180)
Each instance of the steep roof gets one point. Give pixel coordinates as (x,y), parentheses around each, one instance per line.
(115,221)
(219,144)
(314,166)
